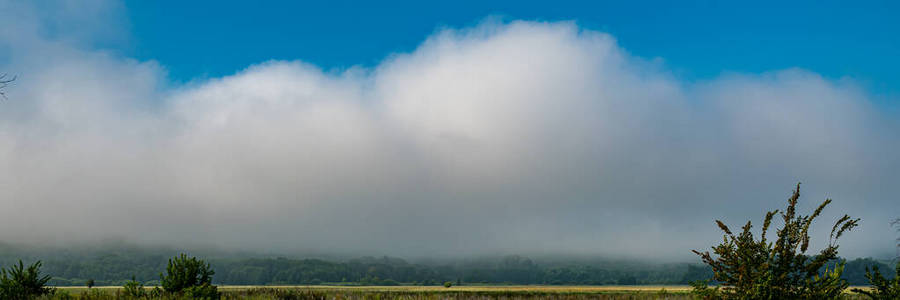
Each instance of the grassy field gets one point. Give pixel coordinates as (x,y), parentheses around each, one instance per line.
(485,288)
(418,292)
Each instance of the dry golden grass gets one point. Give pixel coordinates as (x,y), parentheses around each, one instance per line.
(485,288)
(418,292)
(509,292)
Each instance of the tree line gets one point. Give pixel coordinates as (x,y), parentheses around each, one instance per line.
(115,267)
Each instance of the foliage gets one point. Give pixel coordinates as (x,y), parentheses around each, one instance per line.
(882,288)
(748,268)
(156,292)
(203,291)
(134,289)
(701,290)
(90,283)
(19,282)
(855,270)
(190,276)
(448,284)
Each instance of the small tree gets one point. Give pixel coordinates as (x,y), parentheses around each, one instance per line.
(134,288)
(19,282)
(448,284)
(189,276)
(758,269)
(89,283)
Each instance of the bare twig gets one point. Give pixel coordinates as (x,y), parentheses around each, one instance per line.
(896,222)
(4,82)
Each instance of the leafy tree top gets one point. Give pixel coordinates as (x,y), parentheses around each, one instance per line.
(184,272)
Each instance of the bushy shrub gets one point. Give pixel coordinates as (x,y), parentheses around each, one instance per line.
(19,282)
(133,288)
(748,268)
(189,276)
(882,288)
(448,284)
(702,290)
(156,292)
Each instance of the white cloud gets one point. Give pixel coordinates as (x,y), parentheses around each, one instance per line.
(519,137)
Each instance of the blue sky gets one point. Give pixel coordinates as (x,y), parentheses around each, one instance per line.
(696,39)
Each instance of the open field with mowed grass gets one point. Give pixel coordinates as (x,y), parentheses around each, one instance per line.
(421,292)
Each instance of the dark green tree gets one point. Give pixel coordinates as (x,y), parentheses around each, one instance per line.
(190,276)
(747,268)
(89,283)
(19,282)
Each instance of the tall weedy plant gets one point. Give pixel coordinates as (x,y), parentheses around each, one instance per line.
(19,282)
(750,268)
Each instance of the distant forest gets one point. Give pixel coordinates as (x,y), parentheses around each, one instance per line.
(115,265)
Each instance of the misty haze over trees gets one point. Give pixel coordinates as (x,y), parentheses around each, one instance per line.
(115,264)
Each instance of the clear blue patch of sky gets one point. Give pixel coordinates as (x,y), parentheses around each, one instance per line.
(695,39)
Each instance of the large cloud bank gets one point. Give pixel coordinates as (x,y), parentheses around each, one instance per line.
(520,137)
